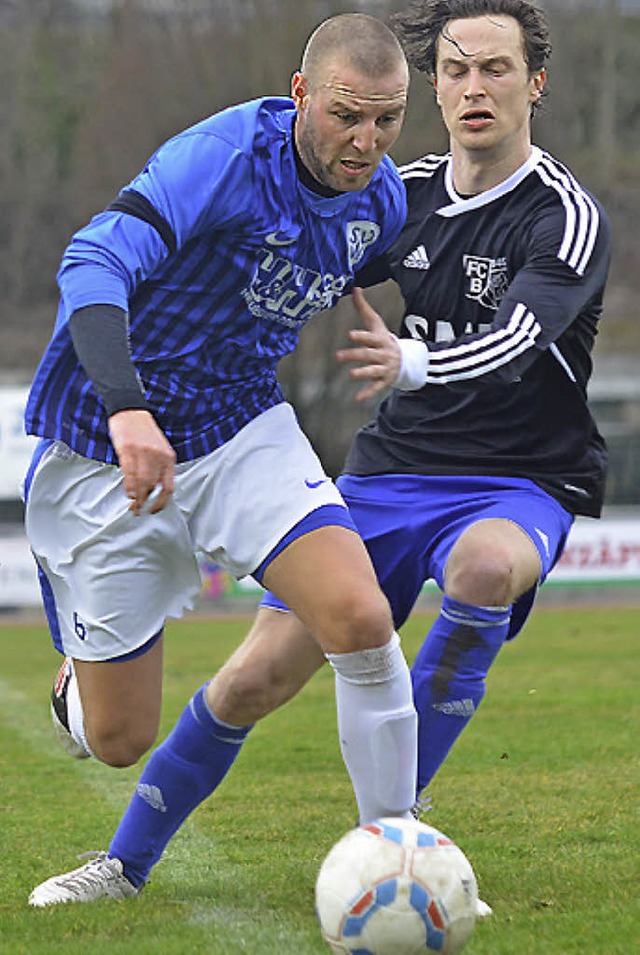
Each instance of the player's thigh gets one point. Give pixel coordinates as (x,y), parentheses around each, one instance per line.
(121,703)
(492,552)
(244,498)
(326,577)
(110,578)
(274,661)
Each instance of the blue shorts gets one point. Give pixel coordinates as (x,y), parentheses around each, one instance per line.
(411,522)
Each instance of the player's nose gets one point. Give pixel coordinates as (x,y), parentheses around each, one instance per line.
(474,86)
(365,137)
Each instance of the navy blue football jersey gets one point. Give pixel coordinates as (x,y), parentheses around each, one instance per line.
(219,254)
(506,289)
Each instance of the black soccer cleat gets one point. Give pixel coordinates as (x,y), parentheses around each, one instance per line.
(59,714)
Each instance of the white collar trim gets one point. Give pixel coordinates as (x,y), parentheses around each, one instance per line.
(460,205)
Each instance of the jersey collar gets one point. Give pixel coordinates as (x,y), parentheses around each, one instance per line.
(459,205)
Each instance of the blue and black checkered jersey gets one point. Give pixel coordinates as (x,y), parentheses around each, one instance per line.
(220,255)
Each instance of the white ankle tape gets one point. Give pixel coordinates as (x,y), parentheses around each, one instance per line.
(375,665)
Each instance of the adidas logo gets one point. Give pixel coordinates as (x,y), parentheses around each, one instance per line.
(463,708)
(418,259)
(151,795)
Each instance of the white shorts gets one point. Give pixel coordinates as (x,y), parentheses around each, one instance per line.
(114,577)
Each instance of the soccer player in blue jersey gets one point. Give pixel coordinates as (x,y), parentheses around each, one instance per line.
(165,430)
(476,463)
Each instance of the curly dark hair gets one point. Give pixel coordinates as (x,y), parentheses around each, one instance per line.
(420,26)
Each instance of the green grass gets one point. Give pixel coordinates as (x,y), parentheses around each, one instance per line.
(541,792)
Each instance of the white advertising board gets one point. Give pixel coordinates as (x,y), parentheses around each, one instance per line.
(604,551)
(15,446)
(19,585)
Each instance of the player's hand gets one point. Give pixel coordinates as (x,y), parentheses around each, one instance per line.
(374,348)
(145,456)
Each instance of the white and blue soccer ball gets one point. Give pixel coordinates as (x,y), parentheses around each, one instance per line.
(396,887)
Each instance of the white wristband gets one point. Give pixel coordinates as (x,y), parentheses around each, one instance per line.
(414,361)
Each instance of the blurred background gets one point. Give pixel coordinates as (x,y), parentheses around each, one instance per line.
(92,87)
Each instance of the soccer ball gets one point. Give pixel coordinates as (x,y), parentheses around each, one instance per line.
(396,887)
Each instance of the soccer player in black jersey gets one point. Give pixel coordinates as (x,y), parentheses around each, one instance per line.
(477,461)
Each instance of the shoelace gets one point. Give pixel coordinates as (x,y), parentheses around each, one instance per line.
(91,874)
(421,805)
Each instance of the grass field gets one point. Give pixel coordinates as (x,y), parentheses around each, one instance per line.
(541,793)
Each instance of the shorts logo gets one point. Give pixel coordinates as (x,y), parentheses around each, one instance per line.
(488,279)
(313,484)
(545,540)
(79,627)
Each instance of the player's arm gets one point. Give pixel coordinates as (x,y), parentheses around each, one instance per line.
(101,341)
(184,188)
(543,300)
(190,185)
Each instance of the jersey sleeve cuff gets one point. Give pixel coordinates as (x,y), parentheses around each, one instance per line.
(124,399)
(414,362)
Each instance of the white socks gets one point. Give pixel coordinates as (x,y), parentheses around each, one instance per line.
(378,728)
(75,716)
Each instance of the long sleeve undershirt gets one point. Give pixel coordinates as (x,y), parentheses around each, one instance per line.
(100,335)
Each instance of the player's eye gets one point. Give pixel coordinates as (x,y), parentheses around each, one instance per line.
(346,118)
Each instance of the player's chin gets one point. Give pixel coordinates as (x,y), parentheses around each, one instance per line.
(354,178)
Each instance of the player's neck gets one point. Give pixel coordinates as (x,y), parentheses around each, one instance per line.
(476,171)
(308,180)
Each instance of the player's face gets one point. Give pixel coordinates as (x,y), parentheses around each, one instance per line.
(485,89)
(346,122)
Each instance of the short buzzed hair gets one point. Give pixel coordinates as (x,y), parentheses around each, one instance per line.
(363,41)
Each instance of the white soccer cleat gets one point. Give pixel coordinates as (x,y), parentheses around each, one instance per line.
(100,878)
(422,805)
(59,714)
(483,911)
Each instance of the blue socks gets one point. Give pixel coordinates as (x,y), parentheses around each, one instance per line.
(182,772)
(448,679)
(448,676)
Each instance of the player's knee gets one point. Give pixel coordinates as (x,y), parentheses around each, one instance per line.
(482,578)
(242,695)
(358,622)
(121,745)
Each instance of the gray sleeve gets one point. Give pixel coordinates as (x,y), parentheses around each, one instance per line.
(100,335)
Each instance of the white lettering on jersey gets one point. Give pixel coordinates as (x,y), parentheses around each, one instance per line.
(439,331)
(288,294)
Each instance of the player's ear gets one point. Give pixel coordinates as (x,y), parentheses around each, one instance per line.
(434,83)
(299,88)
(539,79)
